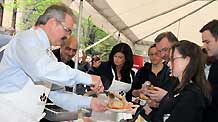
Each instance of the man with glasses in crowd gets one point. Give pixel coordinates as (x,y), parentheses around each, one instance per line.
(28,68)
(210,40)
(163,42)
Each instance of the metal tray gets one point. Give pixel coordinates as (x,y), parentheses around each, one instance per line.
(56,113)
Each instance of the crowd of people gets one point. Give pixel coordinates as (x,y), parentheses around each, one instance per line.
(184,88)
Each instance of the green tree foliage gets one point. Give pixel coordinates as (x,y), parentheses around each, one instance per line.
(31,9)
(91,34)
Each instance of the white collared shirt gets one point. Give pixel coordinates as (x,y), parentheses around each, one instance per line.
(26,58)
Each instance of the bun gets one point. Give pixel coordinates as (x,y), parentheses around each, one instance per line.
(116,104)
(142,96)
(151,88)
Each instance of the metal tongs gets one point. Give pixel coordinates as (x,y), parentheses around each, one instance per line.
(112,95)
(109,94)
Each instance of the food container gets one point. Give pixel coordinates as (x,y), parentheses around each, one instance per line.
(56,113)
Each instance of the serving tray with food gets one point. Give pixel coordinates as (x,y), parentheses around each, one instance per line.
(118,103)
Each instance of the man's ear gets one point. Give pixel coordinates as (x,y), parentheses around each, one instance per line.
(52,22)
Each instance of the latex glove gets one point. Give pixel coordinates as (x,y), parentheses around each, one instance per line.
(97,105)
(97,85)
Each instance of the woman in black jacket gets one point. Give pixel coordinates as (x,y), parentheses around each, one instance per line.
(189,99)
(117,74)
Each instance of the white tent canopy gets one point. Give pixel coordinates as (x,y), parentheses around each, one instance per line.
(140,21)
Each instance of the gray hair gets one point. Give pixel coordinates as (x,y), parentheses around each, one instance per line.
(57,11)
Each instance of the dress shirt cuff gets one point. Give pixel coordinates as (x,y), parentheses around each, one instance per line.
(69,100)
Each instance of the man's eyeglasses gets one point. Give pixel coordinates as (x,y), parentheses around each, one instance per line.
(166,49)
(70,49)
(66,29)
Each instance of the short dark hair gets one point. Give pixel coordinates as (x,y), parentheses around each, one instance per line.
(211,26)
(169,35)
(153,45)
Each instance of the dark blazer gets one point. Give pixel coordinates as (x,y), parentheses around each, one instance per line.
(187,105)
(212,110)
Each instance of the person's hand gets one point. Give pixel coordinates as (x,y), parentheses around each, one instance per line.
(153,103)
(96,64)
(136,93)
(96,105)
(144,90)
(97,85)
(147,109)
(84,56)
(157,94)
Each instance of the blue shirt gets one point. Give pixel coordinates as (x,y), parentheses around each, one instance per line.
(27,59)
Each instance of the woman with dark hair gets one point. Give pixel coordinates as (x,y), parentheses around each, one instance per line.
(117,74)
(189,99)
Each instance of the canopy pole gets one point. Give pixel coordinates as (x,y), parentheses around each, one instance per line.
(118,37)
(96,43)
(78,33)
(78,39)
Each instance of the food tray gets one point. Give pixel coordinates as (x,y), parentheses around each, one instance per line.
(56,113)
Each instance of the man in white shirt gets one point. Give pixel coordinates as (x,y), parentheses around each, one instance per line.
(28,68)
(4,39)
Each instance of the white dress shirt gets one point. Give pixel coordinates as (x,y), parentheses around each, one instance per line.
(26,58)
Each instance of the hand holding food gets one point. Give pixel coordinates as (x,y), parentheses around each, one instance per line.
(151,88)
(157,94)
(142,96)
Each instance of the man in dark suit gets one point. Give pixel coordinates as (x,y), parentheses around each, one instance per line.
(210,40)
